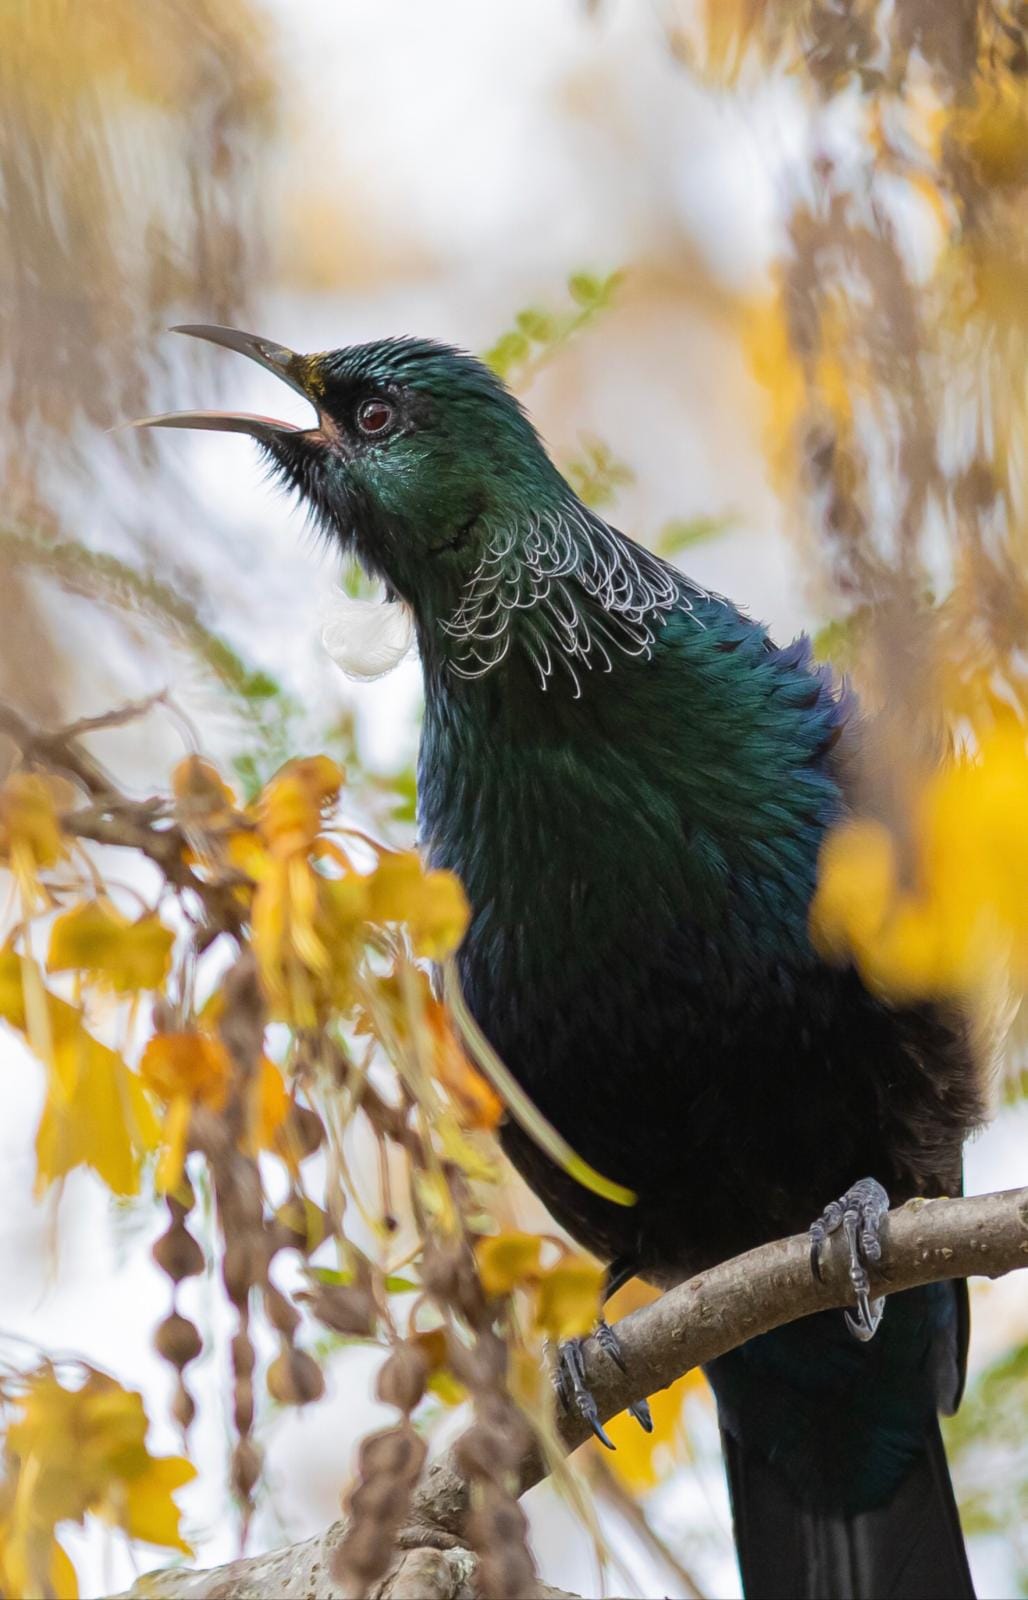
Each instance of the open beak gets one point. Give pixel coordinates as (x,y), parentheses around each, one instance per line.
(285,364)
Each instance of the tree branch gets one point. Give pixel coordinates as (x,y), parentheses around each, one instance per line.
(924,1241)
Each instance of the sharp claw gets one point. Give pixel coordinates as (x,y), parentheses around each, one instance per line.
(816,1247)
(597,1426)
(574,1392)
(642,1414)
(864,1326)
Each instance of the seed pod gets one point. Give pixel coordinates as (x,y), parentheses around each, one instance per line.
(389,1466)
(440,1272)
(243,1357)
(377,1500)
(181,1203)
(163,1015)
(475,1455)
(401,1380)
(246,1468)
(363,1556)
(183,1407)
(450,1274)
(497,1532)
(306,1130)
(282,1315)
(178,1340)
(242,1402)
(345,1308)
(178,1254)
(294,1378)
(482,1366)
(398,1452)
(241,1268)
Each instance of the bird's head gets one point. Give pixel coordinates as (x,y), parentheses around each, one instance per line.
(418,455)
(424,466)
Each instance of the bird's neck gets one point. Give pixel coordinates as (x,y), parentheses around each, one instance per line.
(556,595)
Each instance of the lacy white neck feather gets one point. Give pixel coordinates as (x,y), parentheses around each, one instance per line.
(582,589)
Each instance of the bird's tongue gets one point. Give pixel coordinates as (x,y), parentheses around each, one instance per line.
(366,638)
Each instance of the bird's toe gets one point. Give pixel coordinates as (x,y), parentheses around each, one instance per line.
(574,1391)
(858,1214)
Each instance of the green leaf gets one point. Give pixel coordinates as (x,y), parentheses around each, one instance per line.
(537,334)
(839,640)
(536,325)
(334,1277)
(597,474)
(508,350)
(260,686)
(683,533)
(584,289)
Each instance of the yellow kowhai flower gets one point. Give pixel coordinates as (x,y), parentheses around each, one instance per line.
(192,1069)
(95,1113)
(954,919)
(73,1451)
(30,832)
(97,940)
(291,808)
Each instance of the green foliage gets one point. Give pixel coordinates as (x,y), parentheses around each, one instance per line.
(334,1277)
(355,582)
(840,640)
(262,705)
(537,335)
(597,474)
(683,533)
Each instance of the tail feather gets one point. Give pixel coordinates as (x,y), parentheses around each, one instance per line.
(910,1549)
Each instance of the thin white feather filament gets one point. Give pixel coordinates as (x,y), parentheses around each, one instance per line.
(366,638)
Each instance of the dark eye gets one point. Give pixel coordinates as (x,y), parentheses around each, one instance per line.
(374,416)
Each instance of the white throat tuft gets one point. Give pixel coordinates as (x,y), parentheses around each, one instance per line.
(366,638)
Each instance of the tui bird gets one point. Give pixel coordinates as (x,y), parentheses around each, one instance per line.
(633,783)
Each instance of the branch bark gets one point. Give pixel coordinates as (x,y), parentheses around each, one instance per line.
(923,1242)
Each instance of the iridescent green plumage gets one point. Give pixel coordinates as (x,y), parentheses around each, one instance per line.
(634,783)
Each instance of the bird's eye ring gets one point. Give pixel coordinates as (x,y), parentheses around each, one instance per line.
(374,416)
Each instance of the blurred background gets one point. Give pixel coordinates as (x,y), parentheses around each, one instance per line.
(757,270)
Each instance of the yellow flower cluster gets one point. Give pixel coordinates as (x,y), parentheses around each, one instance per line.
(565,1296)
(953,919)
(310,915)
(72,1451)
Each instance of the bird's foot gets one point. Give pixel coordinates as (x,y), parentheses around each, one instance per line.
(574,1392)
(859,1214)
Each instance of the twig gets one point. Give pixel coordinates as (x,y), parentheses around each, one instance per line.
(925,1241)
(113,818)
(56,752)
(129,712)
